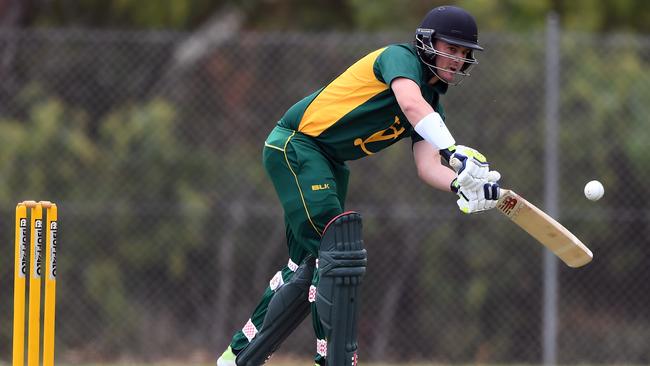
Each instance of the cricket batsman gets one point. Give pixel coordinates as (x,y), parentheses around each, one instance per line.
(389,94)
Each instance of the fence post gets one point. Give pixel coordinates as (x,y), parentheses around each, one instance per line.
(551,187)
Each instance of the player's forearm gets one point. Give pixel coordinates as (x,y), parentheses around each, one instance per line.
(430,168)
(439,177)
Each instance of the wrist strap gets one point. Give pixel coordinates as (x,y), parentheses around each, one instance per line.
(433,129)
(454,185)
(446,153)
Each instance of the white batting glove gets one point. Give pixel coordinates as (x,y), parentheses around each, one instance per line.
(480,199)
(470,165)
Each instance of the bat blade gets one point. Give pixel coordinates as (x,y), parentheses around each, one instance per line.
(545,229)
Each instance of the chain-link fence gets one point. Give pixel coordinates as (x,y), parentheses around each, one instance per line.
(151,145)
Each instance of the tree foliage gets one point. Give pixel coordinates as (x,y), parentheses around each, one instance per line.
(366,15)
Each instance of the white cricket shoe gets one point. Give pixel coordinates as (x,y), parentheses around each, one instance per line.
(227,358)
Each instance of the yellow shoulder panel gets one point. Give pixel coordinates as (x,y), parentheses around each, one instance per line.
(348,91)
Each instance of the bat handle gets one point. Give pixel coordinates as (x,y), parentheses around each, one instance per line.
(455,164)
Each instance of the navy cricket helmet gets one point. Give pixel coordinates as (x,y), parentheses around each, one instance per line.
(453,25)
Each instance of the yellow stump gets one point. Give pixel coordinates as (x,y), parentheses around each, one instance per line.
(50,284)
(20,275)
(35,272)
(35,258)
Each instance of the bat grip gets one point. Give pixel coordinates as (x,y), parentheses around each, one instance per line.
(455,164)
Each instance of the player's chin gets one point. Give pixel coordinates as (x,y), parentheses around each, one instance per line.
(447,76)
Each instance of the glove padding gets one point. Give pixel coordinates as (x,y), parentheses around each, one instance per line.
(470,165)
(480,199)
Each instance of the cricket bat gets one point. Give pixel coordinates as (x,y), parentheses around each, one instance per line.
(544,228)
(540,226)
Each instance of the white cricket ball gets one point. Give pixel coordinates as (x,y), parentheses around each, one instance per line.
(594,190)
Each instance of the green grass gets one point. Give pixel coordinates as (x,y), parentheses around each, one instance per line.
(272,362)
(285,362)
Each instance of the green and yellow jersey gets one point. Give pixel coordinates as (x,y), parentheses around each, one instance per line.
(356,114)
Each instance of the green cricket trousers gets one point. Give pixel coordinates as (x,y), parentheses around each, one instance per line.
(312,190)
